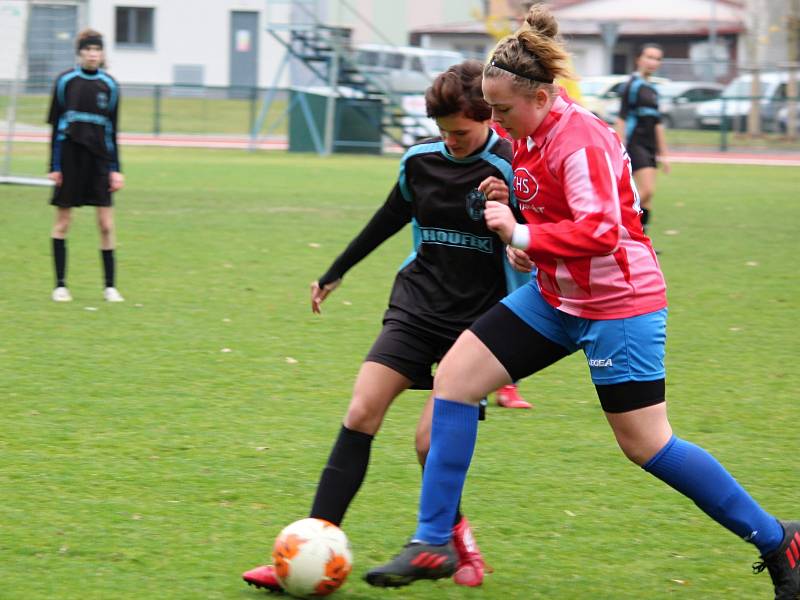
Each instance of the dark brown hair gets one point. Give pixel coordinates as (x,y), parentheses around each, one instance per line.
(458,90)
(647,46)
(87,34)
(533,55)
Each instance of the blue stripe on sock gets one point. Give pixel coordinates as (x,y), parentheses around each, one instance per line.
(699,476)
(453,433)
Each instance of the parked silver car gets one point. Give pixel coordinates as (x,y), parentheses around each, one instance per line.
(678,101)
(600,94)
(736,102)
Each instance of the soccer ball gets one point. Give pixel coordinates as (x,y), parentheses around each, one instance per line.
(312,558)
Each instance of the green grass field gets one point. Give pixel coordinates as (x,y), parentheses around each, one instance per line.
(138,459)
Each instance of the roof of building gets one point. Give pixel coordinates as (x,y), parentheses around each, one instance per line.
(677,17)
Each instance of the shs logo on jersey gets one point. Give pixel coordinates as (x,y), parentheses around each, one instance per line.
(102,100)
(525,186)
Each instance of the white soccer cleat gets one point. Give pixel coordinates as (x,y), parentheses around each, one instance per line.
(61,294)
(110,294)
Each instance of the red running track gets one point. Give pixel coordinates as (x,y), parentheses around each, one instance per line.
(245,143)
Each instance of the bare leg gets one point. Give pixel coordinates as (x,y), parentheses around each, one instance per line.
(62,223)
(376,387)
(646,185)
(641,433)
(423,435)
(645,437)
(105,225)
(469,371)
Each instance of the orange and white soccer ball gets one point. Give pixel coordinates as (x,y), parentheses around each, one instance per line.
(312,558)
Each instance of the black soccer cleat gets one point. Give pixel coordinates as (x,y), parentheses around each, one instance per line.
(783,563)
(417,561)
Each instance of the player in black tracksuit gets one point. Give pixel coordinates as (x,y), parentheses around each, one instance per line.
(457,270)
(639,126)
(84,159)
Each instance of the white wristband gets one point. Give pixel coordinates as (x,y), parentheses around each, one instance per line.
(521,236)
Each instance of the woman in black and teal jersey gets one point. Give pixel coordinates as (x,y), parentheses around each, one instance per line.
(639,126)
(84,158)
(456,271)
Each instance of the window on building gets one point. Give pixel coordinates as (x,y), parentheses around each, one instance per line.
(135,26)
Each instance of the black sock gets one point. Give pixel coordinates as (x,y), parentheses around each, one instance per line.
(108,266)
(645,218)
(342,476)
(60,261)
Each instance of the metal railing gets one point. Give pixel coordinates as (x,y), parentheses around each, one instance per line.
(190,110)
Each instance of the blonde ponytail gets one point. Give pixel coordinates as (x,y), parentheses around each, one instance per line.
(534,55)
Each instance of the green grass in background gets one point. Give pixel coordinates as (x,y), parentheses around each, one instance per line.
(204,115)
(138,459)
(176,115)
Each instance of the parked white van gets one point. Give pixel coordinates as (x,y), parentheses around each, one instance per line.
(404,69)
(736,101)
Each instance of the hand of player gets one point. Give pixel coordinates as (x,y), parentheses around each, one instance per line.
(56,177)
(494,189)
(665,166)
(519,259)
(318,294)
(500,219)
(116,181)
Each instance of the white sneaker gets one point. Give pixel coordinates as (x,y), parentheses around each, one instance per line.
(61,294)
(111,294)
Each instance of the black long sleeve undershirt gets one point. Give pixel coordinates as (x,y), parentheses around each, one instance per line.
(387,220)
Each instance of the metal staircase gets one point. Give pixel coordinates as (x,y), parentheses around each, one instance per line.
(328,56)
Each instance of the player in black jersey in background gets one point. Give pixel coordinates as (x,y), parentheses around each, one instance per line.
(639,126)
(457,271)
(84,161)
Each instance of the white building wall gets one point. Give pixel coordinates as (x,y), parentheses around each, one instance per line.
(186,32)
(12,32)
(194,32)
(589,57)
(394,19)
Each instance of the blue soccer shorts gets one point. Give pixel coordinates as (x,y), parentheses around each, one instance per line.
(625,356)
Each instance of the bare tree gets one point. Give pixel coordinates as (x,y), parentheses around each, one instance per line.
(756,17)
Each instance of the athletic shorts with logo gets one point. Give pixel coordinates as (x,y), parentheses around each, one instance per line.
(617,350)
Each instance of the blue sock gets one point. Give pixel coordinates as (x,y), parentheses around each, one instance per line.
(697,475)
(453,433)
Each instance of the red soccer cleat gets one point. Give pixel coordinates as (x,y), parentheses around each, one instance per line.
(263,577)
(508,397)
(471,567)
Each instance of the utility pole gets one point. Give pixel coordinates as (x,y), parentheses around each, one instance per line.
(793,47)
(712,42)
(610,32)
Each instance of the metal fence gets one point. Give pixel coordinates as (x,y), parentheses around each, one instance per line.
(160,109)
(744,121)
